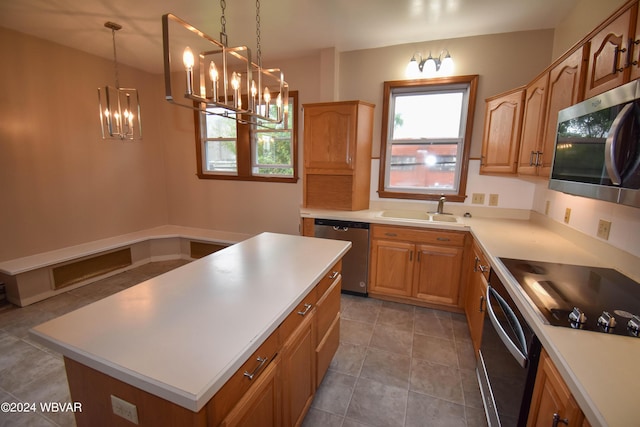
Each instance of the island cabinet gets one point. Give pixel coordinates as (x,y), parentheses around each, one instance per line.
(611,48)
(274,387)
(337,155)
(417,265)
(475,304)
(501,137)
(552,403)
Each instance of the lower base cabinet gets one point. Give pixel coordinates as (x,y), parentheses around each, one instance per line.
(552,403)
(260,406)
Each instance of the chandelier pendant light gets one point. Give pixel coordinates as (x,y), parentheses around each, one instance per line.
(119,107)
(218,79)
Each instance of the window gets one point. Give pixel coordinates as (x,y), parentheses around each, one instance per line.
(426,136)
(266,152)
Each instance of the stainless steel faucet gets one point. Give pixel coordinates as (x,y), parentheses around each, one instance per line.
(440,208)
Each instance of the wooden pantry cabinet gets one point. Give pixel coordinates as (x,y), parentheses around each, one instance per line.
(552,403)
(337,155)
(475,303)
(501,136)
(417,265)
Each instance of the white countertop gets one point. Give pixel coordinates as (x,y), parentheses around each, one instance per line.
(599,369)
(183,334)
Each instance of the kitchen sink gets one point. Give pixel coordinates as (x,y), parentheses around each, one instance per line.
(418,216)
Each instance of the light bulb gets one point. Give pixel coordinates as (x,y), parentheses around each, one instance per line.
(213,72)
(413,69)
(267,95)
(187,58)
(446,68)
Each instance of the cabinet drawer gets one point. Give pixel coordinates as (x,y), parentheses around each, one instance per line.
(233,390)
(418,235)
(328,308)
(328,280)
(297,315)
(327,349)
(481,263)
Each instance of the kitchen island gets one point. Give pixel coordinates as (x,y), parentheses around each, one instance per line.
(179,337)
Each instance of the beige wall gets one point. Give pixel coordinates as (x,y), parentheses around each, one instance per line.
(586,16)
(60,183)
(503,62)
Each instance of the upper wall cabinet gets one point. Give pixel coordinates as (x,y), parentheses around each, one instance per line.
(501,138)
(610,51)
(535,103)
(337,155)
(566,87)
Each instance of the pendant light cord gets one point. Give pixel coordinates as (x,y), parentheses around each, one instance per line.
(259,48)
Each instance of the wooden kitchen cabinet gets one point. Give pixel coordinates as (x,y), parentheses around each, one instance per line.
(298,369)
(552,398)
(610,51)
(634,45)
(416,265)
(327,321)
(535,108)
(566,87)
(261,404)
(475,304)
(501,137)
(337,155)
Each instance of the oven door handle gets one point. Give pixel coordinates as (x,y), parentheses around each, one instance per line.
(611,145)
(514,349)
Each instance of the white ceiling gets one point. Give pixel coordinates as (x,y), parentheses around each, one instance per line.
(288,27)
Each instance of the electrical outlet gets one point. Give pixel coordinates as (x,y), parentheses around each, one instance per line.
(493,200)
(547,207)
(567,215)
(603,229)
(124,409)
(477,198)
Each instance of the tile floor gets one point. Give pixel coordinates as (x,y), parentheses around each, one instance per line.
(397,365)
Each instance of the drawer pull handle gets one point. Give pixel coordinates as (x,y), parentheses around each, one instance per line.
(307,307)
(333,275)
(391,234)
(443,239)
(481,304)
(261,362)
(557,419)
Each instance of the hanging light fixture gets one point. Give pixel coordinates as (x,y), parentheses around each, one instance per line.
(429,67)
(218,79)
(119,107)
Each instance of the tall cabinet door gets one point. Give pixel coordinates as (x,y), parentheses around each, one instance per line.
(503,116)
(392,265)
(330,136)
(437,275)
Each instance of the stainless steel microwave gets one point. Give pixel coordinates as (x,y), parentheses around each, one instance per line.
(597,150)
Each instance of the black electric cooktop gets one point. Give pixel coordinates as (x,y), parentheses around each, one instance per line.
(580,297)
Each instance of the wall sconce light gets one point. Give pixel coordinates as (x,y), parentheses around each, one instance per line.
(119,107)
(430,67)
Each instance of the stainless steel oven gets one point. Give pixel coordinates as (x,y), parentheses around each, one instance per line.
(508,359)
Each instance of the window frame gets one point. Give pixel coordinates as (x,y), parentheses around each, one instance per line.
(463,164)
(245,147)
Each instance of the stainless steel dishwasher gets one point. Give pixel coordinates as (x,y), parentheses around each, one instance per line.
(355,264)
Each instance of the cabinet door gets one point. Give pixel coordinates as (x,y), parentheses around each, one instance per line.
(330,136)
(437,277)
(261,403)
(608,56)
(566,87)
(475,304)
(391,267)
(327,328)
(634,45)
(552,398)
(535,102)
(298,372)
(500,143)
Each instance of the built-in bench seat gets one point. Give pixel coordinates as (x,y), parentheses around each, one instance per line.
(36,277)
